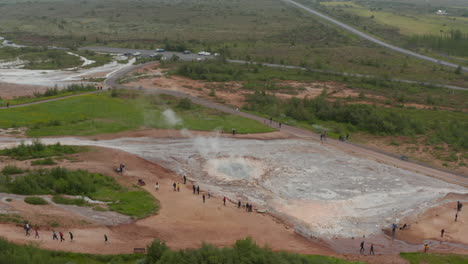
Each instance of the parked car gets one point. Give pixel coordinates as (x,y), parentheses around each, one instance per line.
(187,52)
(127,54)
(160,50)
(136,54)
(204,53)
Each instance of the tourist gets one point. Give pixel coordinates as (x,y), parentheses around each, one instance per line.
(247,207)
(239,204)
(362,248)
(174,185)
(193,188)
(185,179)
(8,104)
(459,206)
(203,198)
(224,200)
(442,232)
(198,189)
(209,195)
(54,235)
(426,247)
(371,252)
(61,237)
(394,227)
(71,236)
(456,216)
(178,187)
(279,125)
(27,228)
(157,186)
(36,231)
(105,238)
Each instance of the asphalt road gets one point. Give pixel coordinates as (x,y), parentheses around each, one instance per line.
(371,38)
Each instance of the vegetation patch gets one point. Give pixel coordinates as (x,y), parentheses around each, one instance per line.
(131,201)
(35,201)
(11,218)
(12,170)
(43,162)
(423,258)
(41,58)
(117,111)
(50,93)
(243,251)
(39,150)
(69,201)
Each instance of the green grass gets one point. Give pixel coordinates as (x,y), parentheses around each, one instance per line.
(102,113)
(50,93)
(11,218)
(38,150)
(35,201)
(421,258)
(12,170)
(43,162)
(132,201)
(244,251)
(30,254)
(408,24)
(69,201)
(136,203)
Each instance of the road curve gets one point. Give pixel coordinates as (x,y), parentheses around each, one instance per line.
(373,39)
(388,158)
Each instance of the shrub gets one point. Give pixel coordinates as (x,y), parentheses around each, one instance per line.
(11,170)
(38,150)
(69,201)
(185,103)
(42,162)
(35,201)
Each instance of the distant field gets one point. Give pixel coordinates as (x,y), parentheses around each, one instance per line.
(408,24)
(261,30)
(101,113)
(411,24)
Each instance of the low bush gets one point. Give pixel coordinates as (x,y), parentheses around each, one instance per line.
(35,201)
(39,150)
(11,170)
(43,162)
(69,201)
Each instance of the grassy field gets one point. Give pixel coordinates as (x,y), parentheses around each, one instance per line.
(413,25)
(421,258)
(102,113)
(408,24)
(50,93)
(38,150)
(263,30)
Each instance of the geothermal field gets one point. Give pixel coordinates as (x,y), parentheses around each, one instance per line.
(321,190)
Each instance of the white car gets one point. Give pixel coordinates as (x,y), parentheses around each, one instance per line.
(136,54)
(204,53)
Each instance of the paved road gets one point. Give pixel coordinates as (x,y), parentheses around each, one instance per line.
(388,158)
(191,57)
(371,38)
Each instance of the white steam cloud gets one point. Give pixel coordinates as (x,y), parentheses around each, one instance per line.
(171,118)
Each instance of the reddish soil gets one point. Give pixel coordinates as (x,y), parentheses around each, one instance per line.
(10,91)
